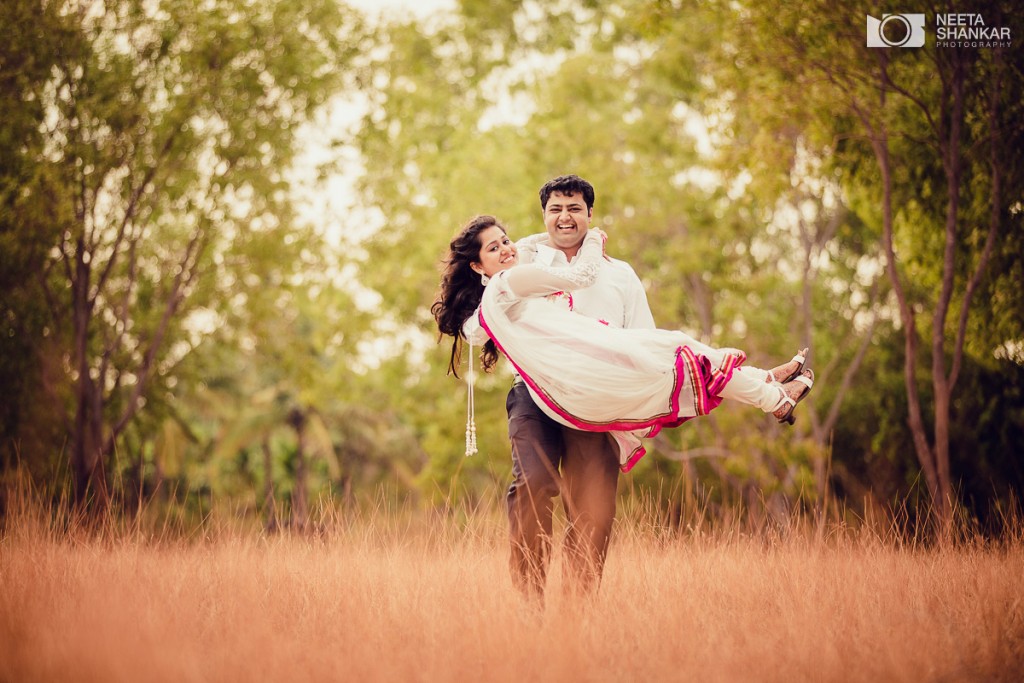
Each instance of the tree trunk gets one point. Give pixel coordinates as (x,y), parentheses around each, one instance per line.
(269,503)
(923,450)
(135,494)
(300,507)
(701,298)
(91,493)
(925,455)
(951,163)
(806,326)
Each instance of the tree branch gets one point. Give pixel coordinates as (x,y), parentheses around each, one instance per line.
(995,208)
(65,256)
(851,370)
(889,83)
(951,163)
(879,144)
(129,212)
(182,278)
(56,310)
(185,275)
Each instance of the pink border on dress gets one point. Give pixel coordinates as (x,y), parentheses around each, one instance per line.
(707,383)
(633,458)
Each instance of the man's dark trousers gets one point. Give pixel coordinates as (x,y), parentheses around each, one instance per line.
(549,459)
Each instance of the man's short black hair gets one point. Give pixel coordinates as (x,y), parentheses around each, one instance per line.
(567,185)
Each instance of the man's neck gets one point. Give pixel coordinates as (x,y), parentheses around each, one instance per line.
(570,254)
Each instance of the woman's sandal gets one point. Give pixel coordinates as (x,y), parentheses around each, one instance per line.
(800,358)
(807,379)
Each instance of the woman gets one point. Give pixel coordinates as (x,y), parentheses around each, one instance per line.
(583,372)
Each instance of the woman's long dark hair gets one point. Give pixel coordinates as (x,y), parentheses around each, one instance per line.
(461,291)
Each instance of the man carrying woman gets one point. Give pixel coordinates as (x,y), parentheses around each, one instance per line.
(592,373)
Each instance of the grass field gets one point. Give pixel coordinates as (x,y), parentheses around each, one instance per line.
(414,598)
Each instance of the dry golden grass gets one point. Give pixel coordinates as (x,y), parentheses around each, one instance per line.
(396,599)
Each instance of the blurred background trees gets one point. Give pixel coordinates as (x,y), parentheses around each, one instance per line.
(179,326)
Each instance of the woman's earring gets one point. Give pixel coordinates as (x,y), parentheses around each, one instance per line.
(484,279)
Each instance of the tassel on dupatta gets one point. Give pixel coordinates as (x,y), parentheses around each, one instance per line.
(470,407)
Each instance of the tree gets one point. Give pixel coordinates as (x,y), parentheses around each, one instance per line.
(439,150)
(27,230)
(165,131)
(939,123)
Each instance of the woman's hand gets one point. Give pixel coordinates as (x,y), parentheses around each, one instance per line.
(604,241)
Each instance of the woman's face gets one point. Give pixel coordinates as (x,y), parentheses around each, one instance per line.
(497,252)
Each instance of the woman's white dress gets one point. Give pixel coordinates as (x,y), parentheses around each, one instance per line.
(587,374)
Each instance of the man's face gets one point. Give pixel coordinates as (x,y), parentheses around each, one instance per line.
(567,219)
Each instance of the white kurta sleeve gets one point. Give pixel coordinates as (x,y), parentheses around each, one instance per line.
(527,247)
(472,331)
(537,279)
(635,306)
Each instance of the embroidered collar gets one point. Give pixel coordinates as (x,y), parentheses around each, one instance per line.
(549,255)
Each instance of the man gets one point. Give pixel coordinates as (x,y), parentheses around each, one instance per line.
(549,459)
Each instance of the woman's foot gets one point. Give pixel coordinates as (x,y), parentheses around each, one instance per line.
(792,393)
(789,371)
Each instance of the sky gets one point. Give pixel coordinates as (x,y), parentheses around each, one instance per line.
(420,8)
(332,204)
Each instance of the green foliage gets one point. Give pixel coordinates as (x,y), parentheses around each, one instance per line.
(811,85)
(155,140)
(729,146)
(767,241)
